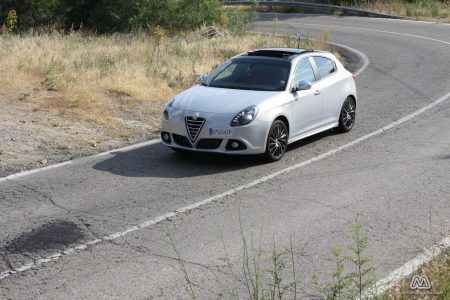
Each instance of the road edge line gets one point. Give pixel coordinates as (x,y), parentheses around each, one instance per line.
(65,163)
(408,268)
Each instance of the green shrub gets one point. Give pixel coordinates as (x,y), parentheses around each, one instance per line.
(11,21)
(53,80)
(434,9)
(113,15)
(241,20)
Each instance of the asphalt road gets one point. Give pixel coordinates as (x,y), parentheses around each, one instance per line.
(396,183)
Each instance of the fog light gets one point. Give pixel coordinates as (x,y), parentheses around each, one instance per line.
(235,145)
(165,136)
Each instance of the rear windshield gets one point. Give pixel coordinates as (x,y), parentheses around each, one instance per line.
(251,74)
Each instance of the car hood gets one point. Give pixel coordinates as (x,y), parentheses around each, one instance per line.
(219,100)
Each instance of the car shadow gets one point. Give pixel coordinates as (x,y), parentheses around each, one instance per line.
(312,139)
(159,161)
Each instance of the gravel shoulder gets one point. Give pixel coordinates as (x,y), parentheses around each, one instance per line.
(32,137)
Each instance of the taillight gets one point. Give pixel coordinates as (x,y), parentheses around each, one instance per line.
(353,75)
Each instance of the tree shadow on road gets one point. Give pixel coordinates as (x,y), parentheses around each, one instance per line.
(52,235)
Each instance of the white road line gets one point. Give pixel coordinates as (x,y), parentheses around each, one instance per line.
(58,165)
(407,269)
(128,148)
(413,21)
(26,173)
(364,57)
(230,192)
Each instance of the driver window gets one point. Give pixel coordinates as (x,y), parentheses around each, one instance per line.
(304,71)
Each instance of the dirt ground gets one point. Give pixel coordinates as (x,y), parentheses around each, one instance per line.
(31,137)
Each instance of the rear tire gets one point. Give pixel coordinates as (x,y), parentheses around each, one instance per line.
(347,115)
(277,141)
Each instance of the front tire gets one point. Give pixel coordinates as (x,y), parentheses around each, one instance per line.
(347,116)
(277,141)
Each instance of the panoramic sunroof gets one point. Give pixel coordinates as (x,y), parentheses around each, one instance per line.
(272,53)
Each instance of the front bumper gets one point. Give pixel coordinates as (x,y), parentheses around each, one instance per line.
(216,135)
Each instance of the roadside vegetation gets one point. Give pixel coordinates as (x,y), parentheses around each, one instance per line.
(428,10)
(274,275)
(437,271)
(349,273)
(97,77)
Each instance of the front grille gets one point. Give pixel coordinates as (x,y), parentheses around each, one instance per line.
(194,126)
(181,140)
(209,143)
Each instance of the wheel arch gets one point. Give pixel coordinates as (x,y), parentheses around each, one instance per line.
(285,120)
(281,117)
(354,98)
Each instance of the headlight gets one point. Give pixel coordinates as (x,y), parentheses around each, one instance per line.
(245,116)
(168,109)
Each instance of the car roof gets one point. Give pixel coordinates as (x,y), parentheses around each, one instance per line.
(280,53)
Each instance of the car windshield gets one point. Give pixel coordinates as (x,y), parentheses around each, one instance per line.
(251,74)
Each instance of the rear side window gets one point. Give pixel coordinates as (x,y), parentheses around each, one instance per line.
(326,66)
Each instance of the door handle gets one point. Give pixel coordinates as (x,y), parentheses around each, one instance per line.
(316,93)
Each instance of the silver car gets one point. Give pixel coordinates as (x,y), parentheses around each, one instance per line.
(258,102)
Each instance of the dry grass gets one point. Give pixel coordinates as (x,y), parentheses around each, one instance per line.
(114,79)
(424,10)
(418,10)
(437,271)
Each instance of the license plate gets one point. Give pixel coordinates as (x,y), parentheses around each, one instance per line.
(219,132)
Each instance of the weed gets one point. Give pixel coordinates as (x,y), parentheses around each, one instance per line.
(105,64)
(24,96)
(362,277)
(224,20)
(348,285)
(434,10)
(275,24)
(267,283)
(53,80)
(11,21)
(338,283)
(241,20)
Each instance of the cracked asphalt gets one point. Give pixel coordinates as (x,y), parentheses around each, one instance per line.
(397,184)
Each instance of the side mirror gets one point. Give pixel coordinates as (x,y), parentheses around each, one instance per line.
(302,85)
(203,77)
